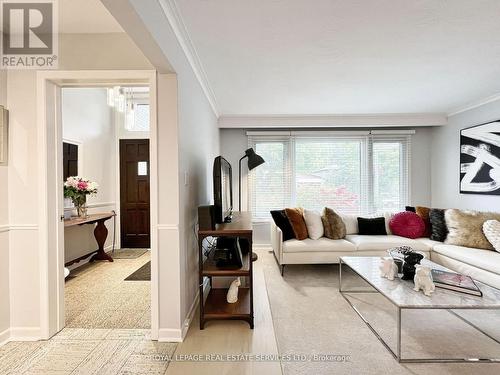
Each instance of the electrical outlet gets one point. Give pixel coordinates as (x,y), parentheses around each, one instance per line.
(186,178)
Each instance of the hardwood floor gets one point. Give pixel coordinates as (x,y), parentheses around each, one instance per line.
(232,337)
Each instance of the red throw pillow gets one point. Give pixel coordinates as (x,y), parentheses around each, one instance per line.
(407,224)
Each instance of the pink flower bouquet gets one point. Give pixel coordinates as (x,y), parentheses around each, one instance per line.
(77,188)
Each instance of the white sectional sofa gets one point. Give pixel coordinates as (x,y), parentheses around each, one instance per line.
(481,265)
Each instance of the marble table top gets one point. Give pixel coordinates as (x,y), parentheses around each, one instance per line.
(401,293)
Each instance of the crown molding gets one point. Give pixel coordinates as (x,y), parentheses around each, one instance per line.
(333,121)
(476,104)
(174,17)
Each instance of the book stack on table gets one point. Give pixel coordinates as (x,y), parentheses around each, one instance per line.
(455,281)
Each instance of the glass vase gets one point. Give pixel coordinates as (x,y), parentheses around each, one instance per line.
(81,206)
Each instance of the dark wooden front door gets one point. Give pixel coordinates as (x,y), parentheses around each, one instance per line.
(134,193)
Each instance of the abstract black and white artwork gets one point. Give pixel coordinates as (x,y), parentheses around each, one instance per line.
(480,159)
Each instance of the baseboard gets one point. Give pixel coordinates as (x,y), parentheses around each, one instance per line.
(192,310)
(261,245)
(169,335)
(4,337)
(25,334)
(178,335)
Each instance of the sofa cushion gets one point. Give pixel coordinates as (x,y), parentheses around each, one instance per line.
(351,223)
(407,224)
(491,229)
(485,259)
(371,242)
(371,226)
(322,244)
(333,224)
(423,212)
(439,230)
(428,242)
(282,222)
(465,228)
(295,215)
(314,224)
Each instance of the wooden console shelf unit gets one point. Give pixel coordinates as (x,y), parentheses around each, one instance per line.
(214,306)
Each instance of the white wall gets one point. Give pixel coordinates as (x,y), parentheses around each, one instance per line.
(76,52)
(234,142)
(100,51)
(87,120)
(198,142)
(446,161)
(4,233)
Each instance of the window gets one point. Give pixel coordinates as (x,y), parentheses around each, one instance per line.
(137,118)
(328,173)
(271,180)
(358,174)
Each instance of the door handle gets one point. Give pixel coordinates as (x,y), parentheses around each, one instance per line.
(61,217)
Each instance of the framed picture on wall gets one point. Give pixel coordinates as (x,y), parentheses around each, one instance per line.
(480,159)
(4,135)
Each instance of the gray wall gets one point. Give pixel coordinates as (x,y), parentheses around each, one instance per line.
(234,142)
(446,161)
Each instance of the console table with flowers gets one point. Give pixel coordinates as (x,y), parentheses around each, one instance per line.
(100,234)
(77,189)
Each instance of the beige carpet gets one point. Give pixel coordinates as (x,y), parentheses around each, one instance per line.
(311,317)
(127,253)
(97,296)
(88,351)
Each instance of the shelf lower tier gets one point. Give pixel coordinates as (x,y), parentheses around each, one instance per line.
(216,306)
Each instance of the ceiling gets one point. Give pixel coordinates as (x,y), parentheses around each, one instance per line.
(301,57)
(86,17)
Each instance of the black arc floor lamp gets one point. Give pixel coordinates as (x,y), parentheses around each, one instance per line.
(254,161)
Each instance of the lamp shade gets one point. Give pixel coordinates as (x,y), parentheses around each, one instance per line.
(254,160)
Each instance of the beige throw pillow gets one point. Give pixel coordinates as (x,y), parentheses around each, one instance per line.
(333,224)
(314,224)
(466,228)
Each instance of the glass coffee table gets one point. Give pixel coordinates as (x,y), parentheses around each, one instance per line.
(400,293)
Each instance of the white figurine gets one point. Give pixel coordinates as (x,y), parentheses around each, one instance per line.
(388,268)
(232,293)
(423,280)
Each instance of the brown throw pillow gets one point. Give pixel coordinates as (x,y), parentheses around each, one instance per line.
(423,212)
(298,223)
(332,223)
(466,228)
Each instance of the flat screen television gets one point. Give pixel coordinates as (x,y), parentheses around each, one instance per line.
(223,190)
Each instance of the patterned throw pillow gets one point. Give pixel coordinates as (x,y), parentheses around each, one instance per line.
(332,223)
(297,221)
(439,230)
(407,224)
(491,229)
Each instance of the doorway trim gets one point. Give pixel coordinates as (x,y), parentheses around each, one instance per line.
(49,131)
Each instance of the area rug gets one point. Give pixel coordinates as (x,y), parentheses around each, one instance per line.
(128,253)
(142,274)
(310,317)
